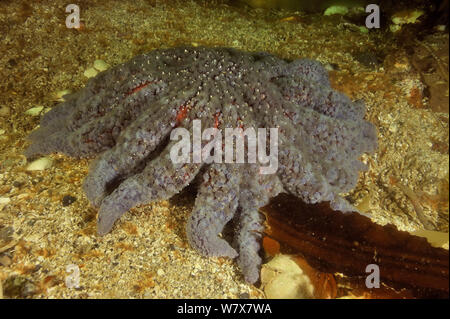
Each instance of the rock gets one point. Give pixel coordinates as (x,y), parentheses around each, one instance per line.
(395,28)
(404,17)
(67,200)
(160,272)
(34,111)
(12,62)
(59,95)
(435,238)
(363,29)
(101,65)
(368,59)
(18,287)
(282,278)
(342,10)
(5,260)
(244,295)
(40,164)
(4,201)
(18,184)
(90,73)
(6,234)
(4,111)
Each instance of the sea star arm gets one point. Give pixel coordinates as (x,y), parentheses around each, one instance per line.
(134,145)
(160,179)
(215,206)
(255,192)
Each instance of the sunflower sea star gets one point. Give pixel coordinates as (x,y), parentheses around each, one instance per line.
(125,116)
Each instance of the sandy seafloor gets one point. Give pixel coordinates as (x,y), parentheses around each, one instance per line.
(147,255)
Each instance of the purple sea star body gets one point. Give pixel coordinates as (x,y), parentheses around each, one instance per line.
(124,117)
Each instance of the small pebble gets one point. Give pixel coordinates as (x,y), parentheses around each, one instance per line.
(5,260)
(160,272)
(363,29)
(4,201)
(4,111)
(67,200)
(6,234)
(331,66)
(12,62)
(368,59)
(90,73)
(244,295)
(59,95)
(101,65)
(34,111)
(342,10)
(40,164)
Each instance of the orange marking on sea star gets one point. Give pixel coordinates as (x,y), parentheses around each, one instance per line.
(181,114)
(139,87)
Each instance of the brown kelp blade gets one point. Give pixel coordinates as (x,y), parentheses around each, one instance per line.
(336,242)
